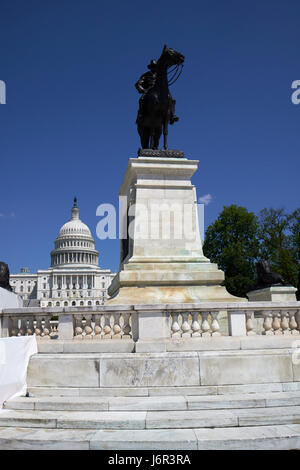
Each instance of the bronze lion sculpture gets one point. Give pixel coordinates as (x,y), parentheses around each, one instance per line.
(266,278)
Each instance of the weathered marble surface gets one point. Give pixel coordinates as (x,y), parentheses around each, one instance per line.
(279,437)
(244,369)
(165,261)
(150,371)
(273,294)
(183,369)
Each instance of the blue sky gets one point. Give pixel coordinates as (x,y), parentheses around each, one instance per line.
(68,127)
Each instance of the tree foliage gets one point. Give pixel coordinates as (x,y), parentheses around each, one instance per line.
(278,242)
(238,238)
(232,242)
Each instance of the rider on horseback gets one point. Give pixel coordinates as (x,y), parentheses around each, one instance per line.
(144,84)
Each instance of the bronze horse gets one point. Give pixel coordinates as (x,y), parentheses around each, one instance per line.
(158,106)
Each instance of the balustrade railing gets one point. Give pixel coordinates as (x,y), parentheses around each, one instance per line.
(194,324)
(273,322)
(102,326)
(170,322)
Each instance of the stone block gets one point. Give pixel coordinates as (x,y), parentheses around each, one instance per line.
(150,439)
(205,344)
(244,369)
(268,416)
(273,294)
(249,438)
(190,419)
(63,371)
(185,391)
(147,403)
(146,371)
(102,420)
(44,439)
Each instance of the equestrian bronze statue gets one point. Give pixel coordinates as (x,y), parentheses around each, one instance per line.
(156,105)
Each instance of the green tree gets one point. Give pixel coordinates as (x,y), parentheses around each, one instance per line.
(294,224)
(232,242)
(279,242)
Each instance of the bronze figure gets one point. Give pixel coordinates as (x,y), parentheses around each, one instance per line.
(156,105)
(4,276)
(265,278)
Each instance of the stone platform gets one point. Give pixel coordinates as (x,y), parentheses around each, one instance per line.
(250,416)
(242,394)
(162,261)
(273,294)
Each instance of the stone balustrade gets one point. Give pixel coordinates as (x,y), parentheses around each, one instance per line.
(194,324)
(154,324)
(102,326)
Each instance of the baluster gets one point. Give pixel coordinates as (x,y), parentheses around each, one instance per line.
(97,327)
(88,327)
(45,323)
(186,329)
(78,327)
(107,327)
(297,318)
(29,327)
(267,325)
(126,326)
(276,324)
(22,326)
(116,328)
(285,323)
(215,324)
(14,330)
(293,324)
(54,329)
(196,327)
(205,327)
(175,328)
(37,329)
(249,324)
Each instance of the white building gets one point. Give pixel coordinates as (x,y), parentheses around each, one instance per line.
(74,277)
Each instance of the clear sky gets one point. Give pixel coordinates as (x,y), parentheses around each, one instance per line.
(68,127)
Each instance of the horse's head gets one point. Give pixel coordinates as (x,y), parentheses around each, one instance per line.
(170,57)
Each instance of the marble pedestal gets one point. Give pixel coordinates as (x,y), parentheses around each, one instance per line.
(162,260)
(273,294)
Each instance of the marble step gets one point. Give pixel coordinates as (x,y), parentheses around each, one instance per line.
(282,437)
(165,391)
(171,419)
(163,403)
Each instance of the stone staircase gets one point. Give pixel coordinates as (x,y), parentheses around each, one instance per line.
(257,416)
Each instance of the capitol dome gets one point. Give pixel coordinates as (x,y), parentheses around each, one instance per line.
(74,244)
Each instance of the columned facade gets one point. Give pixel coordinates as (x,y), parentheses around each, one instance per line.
(74,277)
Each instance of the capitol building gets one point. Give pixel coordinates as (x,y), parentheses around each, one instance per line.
(74,278)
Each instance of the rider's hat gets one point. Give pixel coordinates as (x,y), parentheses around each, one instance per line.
(152,64)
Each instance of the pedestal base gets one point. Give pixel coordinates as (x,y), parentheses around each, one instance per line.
(162,260)
(172,294)
(273,294)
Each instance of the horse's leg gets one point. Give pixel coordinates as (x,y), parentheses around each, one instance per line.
(165,126)
(152,144)
(145,139)
(144,136)
(157,137)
